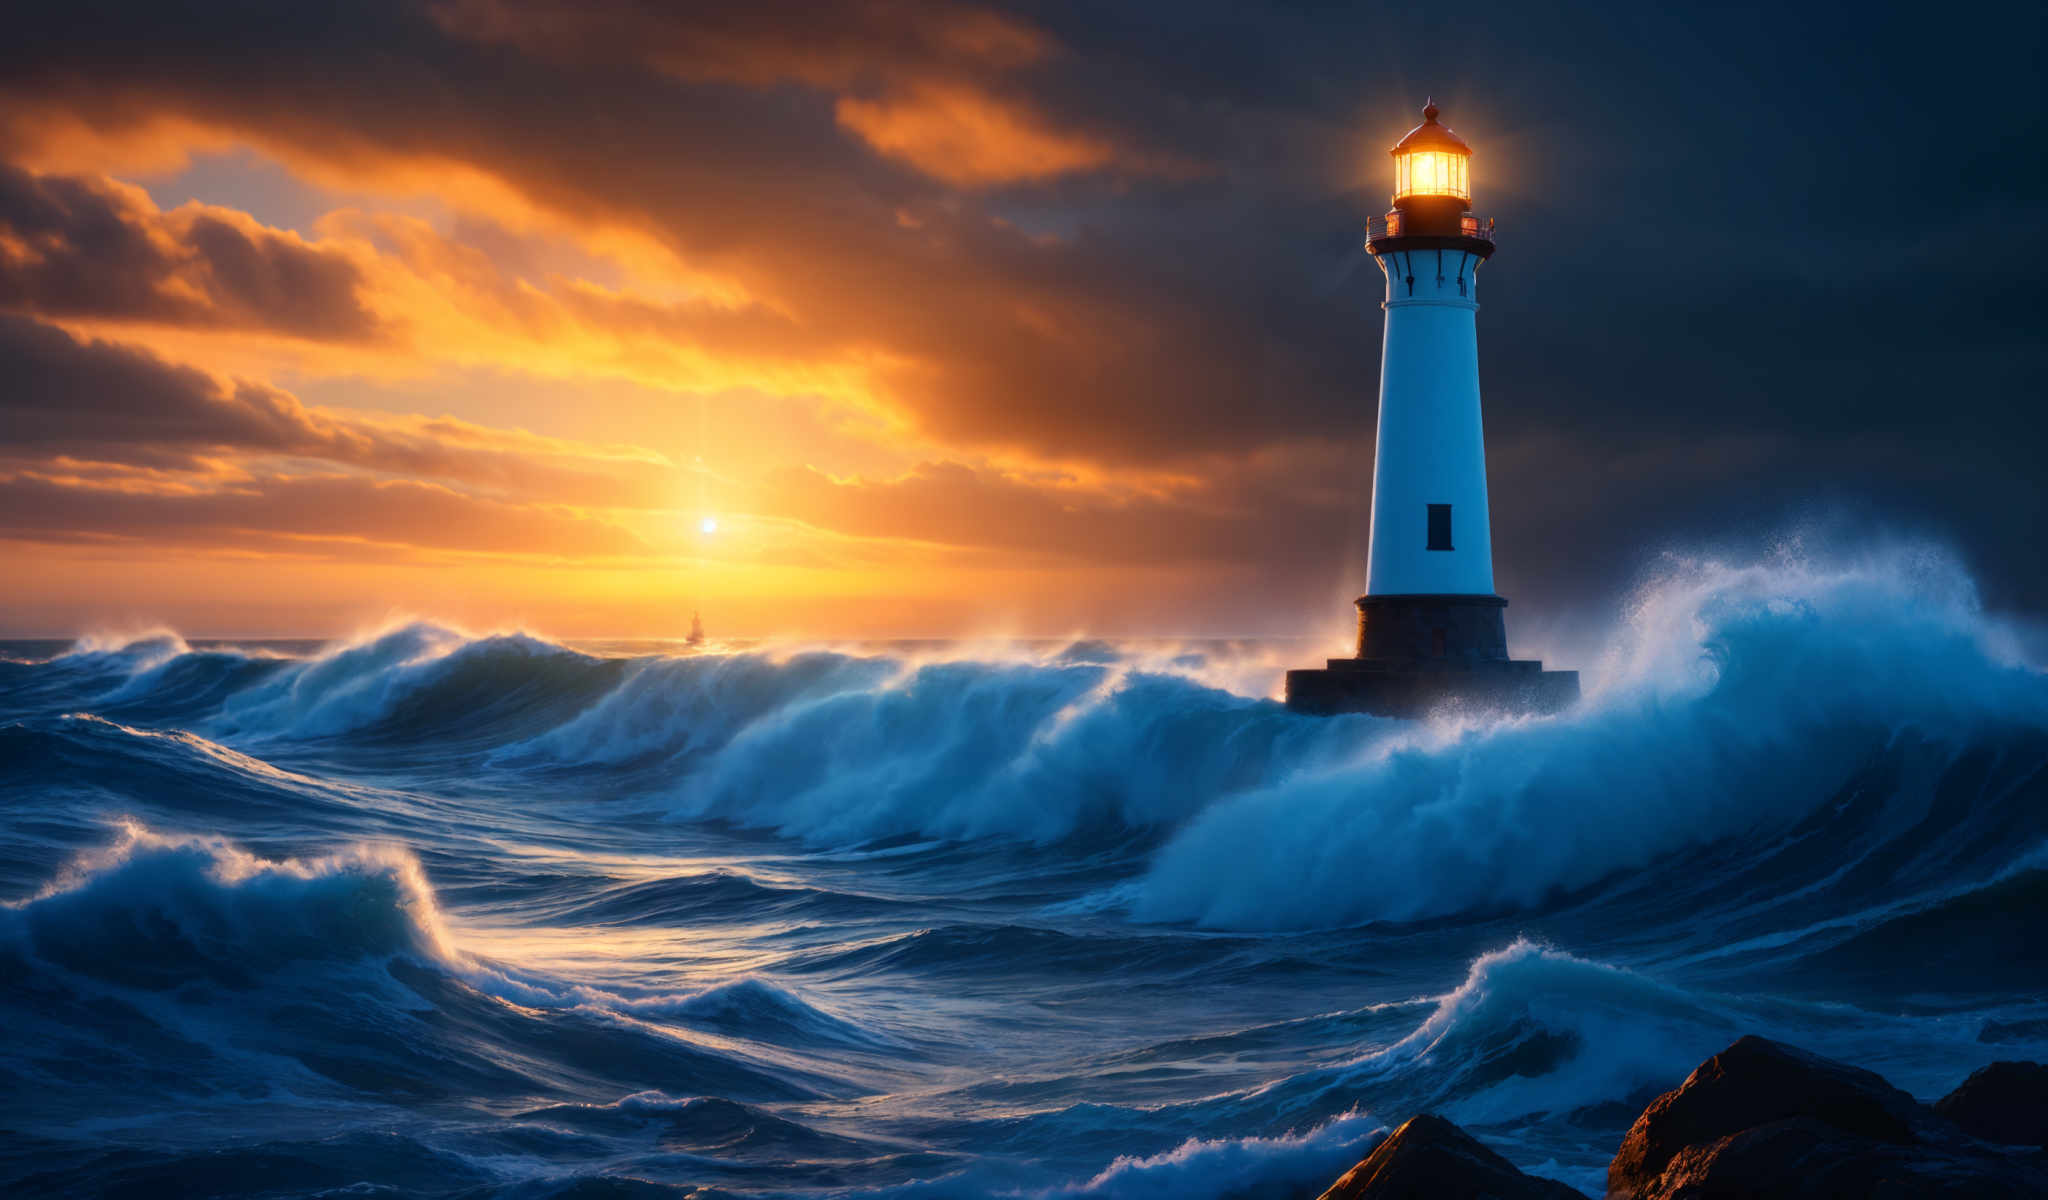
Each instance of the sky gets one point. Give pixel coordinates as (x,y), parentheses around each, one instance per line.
(928,319)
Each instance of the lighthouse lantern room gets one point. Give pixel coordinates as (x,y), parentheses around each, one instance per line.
(1431,631)
(1432,161)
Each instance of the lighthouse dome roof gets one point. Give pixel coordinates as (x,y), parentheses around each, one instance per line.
(1431,136)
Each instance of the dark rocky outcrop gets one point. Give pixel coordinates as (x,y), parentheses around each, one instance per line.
(1429,1158)
(1755,1082)
(1764,1120)
(1801,1158)
(2006,1102)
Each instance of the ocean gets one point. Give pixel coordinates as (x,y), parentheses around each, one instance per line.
(425,912)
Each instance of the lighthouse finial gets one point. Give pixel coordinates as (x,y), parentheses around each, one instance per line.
(1429,110)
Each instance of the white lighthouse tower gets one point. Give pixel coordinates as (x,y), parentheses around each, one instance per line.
(1431,630)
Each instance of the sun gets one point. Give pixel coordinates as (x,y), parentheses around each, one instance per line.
(708,525)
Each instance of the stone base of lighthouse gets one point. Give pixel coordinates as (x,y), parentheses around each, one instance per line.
(1419,654)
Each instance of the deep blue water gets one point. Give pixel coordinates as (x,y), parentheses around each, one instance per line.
(426,913)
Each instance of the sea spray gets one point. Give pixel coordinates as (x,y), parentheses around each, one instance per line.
(666,707)
(970,750)
(1741,698)
(1284,1165)
(243,956)
(424,908)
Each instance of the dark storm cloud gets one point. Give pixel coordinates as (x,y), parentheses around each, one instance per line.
(1811,229)
(312,513)
(1091,345)
(1234,517)
(86,248)
(765,41)
(105,403)
(111,441)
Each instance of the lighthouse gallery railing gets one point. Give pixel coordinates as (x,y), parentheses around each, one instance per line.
(1390,226)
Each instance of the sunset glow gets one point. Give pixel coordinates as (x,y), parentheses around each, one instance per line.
(871,599)
(478,309)
(387,362)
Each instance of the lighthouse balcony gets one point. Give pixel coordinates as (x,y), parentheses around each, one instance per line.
(1399,224)
(1431,228)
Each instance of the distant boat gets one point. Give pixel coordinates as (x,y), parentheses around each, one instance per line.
(696,637)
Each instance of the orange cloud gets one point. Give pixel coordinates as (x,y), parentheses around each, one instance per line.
(969,138)
(101,440)
(376,293)
(267,511)
(765,42)
(1234,515)
(767,243)
(931,63)
(791,224)
(89,407)
(95,248)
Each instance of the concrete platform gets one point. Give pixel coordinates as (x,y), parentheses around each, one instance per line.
(1412,688)
(1421,653)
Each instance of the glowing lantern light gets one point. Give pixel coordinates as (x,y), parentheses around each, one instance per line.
(1432,161)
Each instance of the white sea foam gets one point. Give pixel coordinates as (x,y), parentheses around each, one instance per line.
(184,901)
(1288,1165)
(1736,699)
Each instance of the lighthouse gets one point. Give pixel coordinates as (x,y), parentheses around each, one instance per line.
(1432,633)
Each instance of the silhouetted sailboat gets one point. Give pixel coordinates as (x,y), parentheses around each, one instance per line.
(696,637)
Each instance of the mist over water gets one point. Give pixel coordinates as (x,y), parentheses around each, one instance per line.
(495,915)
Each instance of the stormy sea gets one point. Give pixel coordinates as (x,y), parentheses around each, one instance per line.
(428,912)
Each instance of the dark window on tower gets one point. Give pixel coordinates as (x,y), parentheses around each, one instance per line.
(1439,526)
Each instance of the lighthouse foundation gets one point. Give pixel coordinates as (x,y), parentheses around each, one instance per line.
(1419,653)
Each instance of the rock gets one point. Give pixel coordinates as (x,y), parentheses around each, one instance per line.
(2006,1102)
(1429,1158)
(1762,1120)
(1755,1082)
(1803,1157)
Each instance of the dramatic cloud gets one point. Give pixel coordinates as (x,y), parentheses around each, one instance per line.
(967,138)
(100,440)
(378,292)
(97,249)
(304,512)
(861,42)
(99,402)
(957,285)
(974,323)
(1231,517)
(913,80)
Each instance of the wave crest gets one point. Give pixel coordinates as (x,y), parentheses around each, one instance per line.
(420,678)
(156,910)
(1735,702)
(1286,1165)
(968,750)
(1741,700)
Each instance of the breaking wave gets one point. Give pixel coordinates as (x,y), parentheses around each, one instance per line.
(343,964)
(1738,702)
(1530,1030)
(421,682)
(428,910)
(1734,703)
(156,911)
